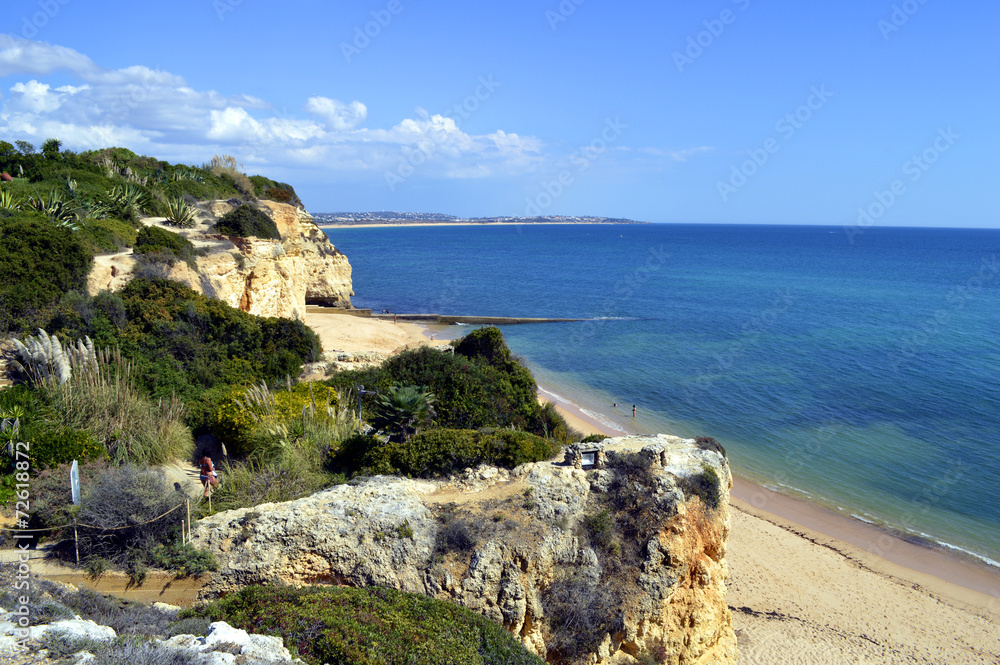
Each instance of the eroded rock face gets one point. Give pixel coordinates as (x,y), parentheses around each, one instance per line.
(262,277)
(525,547)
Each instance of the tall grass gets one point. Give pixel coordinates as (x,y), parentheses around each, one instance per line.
(101,398)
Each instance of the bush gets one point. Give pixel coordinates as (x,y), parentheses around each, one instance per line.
(704,485)
(488,388)
(438,452)
(55,445)
(246,412)
(41,261)
(107,235)
(183,559)
(368,626)
(453,535)
(163,246)
(182,343)
(103,405)
(579,614)
(247,221)
(130,497)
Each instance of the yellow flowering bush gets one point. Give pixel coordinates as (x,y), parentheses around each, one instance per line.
(245,412)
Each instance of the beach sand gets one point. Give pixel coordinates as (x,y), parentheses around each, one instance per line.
(357,334)
(808,586)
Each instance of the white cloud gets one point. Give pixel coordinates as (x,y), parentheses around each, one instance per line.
(157,112)
(337,114)
(35,97)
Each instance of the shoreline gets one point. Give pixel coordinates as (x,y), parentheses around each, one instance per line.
(380,226)
(952,574)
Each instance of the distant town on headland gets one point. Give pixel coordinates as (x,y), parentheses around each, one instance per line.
(403,218)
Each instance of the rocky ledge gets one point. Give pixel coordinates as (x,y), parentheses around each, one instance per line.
(610,562)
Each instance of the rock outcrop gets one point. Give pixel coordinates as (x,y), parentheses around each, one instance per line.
(624,560)
(260,276)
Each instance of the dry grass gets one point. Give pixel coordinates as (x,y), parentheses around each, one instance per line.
(102,399)
(228,166)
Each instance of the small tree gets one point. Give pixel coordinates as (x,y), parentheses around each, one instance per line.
(403,410)
(51,148)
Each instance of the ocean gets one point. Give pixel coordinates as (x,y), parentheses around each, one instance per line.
(860,371)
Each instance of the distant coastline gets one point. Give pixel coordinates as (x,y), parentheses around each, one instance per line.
(376,219)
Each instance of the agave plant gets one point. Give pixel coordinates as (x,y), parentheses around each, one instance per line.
(403,410)
(126,202)
(180,214)
(8,201)
(186,174)
(55,207)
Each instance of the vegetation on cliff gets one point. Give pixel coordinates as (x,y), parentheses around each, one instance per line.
(369,626)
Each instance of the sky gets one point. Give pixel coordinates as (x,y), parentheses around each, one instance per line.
(856,112)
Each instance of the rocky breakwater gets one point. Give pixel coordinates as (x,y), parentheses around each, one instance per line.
(260,276)
(607,563)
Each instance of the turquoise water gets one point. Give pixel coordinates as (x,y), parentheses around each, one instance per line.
(863,375)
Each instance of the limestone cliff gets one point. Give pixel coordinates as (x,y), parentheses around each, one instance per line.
(624,560)
(263,277)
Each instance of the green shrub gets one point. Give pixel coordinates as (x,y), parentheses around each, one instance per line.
(40,262)
(107,235)
(183,559)
(471,392)
(182,343)
(704,485)
(152,241)
(247,221)
(594,438)
(56,445)
(368,626)
(438,452)
(600,528)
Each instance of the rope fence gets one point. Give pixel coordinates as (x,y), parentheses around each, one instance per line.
(102,528)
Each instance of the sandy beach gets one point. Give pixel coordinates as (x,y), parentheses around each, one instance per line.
(357,334)
(808,586)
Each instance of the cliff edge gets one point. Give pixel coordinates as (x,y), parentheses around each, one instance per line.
(260,276)
(614,553)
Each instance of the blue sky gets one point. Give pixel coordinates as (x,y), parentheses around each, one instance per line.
(734,111)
